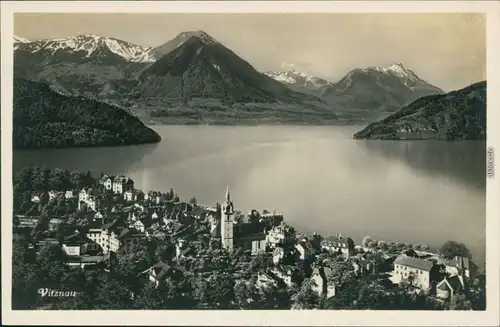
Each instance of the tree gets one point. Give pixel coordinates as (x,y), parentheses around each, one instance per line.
(382,245)
(306,298)
(220,290)
(193,201)
(114,294)
(366,240)
(451,249)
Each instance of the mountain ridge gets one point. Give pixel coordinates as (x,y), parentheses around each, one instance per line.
(43,118)
(456,115)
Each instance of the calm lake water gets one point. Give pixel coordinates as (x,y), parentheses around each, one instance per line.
(322,180)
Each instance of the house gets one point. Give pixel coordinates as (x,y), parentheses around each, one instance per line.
(450,287)
(255,242)
(128,237)
(93,203)
(267,278)
(411,253)
(286,273)
(278,255)
(417,272)
(86,262)
(199,213)
(305,250)
(153,197)
(270,218)
(54,194)
(36,196)
(105,235)
(338,244)
(128,195)
(70,194)
(139,225)
(161,271)
(455,265)
(121,184)
(84,194)
(360,265)
(138,195)
(107,181)
(78,244)
(281,236)
(320,282)
(87,196)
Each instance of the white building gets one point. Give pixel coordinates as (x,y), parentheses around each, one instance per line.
(414,271)
(455,265)
(281,235)
(320,283)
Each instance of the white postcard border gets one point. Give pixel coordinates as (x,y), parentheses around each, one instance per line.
(233,318)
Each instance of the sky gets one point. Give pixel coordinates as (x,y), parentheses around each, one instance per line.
(447,50)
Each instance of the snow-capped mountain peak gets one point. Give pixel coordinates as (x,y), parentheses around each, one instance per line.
(180,39)
(21,39)
(90,43)
(296,78)
(397,69)
(207,39)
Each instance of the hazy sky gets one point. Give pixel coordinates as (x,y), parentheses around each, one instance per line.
(447,50)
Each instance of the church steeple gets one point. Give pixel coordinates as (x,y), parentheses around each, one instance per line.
(227,222)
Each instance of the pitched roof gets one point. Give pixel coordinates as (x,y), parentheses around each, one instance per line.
(454,282)
(162,269)
(110,225)
(421,264)
(457,262)
(128,232)
(76,238)
(187,251)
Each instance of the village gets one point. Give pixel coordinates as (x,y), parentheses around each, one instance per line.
(114,218)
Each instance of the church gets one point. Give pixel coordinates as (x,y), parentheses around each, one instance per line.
(249,236)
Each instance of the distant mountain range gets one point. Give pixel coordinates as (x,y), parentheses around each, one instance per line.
(457,115)
(193,78)
(43,118)
(378,89)
(300,81)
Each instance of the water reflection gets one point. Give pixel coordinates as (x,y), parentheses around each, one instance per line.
(101,159)
(463,161)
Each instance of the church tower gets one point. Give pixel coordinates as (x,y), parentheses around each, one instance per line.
(227,222)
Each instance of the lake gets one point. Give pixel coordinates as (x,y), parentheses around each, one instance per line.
(423,192)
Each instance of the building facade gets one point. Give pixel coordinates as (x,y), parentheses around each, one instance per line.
(415,271)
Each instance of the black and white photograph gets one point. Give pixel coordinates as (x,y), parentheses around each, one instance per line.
(168,161)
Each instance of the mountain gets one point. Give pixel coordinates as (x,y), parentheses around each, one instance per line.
(379,89)
(18,41)
(85,65)
(300,81)
(457,115)
(202,79)
(87,48)
(178,40)
(202,67)
(43,118)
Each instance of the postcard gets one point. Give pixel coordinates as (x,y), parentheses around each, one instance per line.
(250,163)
